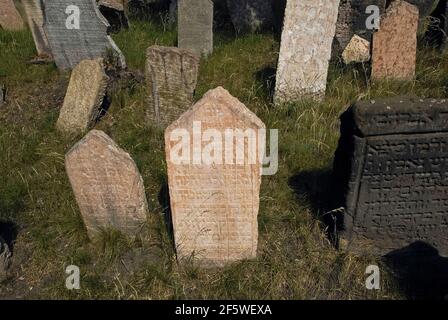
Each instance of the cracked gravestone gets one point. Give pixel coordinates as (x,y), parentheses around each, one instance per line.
(395,44)
(107,185)
(303,62)
(195,26)
(35,17)
(214,186)
(251,15)
(171,77)
(390,173)
(84,97)
(76,32)
(10,18)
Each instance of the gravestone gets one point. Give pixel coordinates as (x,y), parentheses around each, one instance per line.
(84,97)
(107,185)
(214,187)
(358,50)
(251,15)
(10,18)
(171,77)
(195,26)
(303,62)
(390,173)
(395,44)
(77,32)
(35,16)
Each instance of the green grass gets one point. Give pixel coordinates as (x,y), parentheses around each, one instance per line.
(295,260)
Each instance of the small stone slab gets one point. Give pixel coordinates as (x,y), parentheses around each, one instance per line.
(84,97)
(107,185)
(171,77)
(10,18)
(35,16)
(358,51)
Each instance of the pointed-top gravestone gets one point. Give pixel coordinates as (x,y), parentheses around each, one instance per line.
(395,44)
(107,185)
(35,16)
(214,180)
(10,18)
(305,51)
(171,77)
(77,31)
(195,26)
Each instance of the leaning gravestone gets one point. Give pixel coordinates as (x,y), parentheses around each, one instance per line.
(303,62)
(10,18)
(171,77)
(395,44)
(391,169)
(107,185)
(195,26)
(77,31)
(35,16)
(251,15)
(214,177)
(85,94)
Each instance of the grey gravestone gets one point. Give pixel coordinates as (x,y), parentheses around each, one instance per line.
(391,172)
(195,26)
(35,16)
(171,77)
(71,42)
(251,15)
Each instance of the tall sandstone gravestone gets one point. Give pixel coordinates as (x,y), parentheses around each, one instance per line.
(107,185)
(214,186)
(251,15)
(395,44)
(391,171)
(84,97)
(305,51)
(76,32)
(35,17)
(195,26)
(10,18)
(171,77)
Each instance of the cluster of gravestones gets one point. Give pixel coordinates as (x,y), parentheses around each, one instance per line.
(389,169)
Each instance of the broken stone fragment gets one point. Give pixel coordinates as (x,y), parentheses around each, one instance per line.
(358,50)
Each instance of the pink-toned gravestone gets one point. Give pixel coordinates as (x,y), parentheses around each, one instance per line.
(107,185)
(10,18)
(214,180)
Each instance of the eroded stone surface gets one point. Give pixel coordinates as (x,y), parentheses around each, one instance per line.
(395,44)
(107,185)
(85,94)
(390,174)
(214,202)
(10,18)
(195,26)
(171,77)
(35,16)
(70,44)
(303,62)
(358,50)
(251,15)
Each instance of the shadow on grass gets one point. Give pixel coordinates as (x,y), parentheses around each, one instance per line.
(315,187)
(420,270)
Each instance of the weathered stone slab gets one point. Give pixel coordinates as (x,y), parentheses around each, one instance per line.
(10,18)
(390,173)
(303,63)
(395,44)
(251,15)
(195,26)
(171,77)
(70,41)
(35,16)
(107,185)
(358,50)
(214,186)
(85,94)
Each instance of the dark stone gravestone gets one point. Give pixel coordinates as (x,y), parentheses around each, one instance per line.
(77,31)
(391,175)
